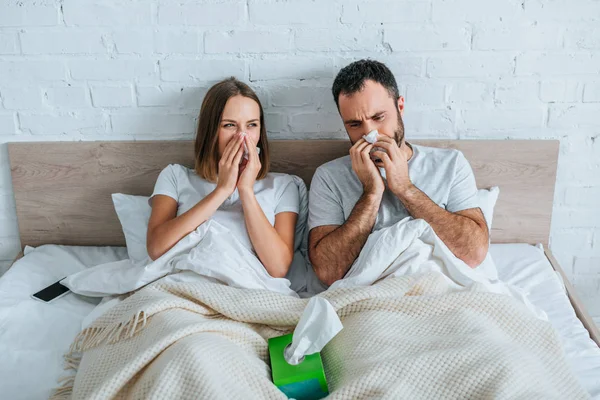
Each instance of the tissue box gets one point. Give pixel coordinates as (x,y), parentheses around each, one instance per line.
(305,381)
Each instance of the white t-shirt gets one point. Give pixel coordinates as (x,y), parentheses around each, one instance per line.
(276,193)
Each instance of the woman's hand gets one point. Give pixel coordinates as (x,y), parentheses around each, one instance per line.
(229,165)
(249,169)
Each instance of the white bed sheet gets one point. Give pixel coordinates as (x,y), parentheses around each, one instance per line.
(34,335)
(527,267)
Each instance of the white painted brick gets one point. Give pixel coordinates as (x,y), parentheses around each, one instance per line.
(574,116)
(575,218)
(473,11)
(291,68)
(131,41)
(12,71)
(64,42)
(173,96)
(592,303)
(510,37)
(583,196)
(153,124)
(100,70)
(107,13)
(558,63)
(9,247)
(276,122)
(21,97)
(470,92)
(500,118)
(583,38)
(339,39)
(7,124)
(425,94)
(178,42)
(563,10)
(20,16)
(429,122)
(112,96)
(243,41)
(579,160)
(473,65)
(316,123)
(517,92)
(317,97)
(573,240)
(229,13)
(175,70)
(591,93)
(9,43)
(67,97)
(293,13)
(561,91)
(587,287)
(428,38)
(385,11)
(84,122)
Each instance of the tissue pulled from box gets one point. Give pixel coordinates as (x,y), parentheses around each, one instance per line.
(317,326)
(371,137)
(246,154)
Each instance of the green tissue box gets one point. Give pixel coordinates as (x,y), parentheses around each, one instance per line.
(305,381)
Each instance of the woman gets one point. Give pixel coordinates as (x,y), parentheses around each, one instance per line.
(229,185)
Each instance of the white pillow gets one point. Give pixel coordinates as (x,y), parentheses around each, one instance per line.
(134,214)
(487,201)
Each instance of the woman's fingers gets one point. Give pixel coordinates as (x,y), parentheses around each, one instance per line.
(237,158)
(230,148)
(237,145)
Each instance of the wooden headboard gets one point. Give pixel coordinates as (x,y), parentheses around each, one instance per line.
(62,189)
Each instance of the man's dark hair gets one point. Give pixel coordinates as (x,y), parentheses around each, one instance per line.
(351,79)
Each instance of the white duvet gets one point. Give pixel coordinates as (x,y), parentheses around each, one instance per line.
(409,247)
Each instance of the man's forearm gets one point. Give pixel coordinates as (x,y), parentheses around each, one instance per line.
(333,255)
(463,236)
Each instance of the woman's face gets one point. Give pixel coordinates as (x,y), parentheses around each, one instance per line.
(241,114)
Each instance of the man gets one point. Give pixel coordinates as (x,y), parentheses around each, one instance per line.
(379,184)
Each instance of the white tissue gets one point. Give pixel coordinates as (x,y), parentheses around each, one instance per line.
(246,155)
(317,326)
(371,137)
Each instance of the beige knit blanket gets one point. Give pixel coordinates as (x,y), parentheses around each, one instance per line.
(404,338)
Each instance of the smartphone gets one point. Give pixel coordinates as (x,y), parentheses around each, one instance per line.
(52,292)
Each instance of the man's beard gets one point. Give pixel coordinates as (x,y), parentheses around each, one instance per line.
(399,132)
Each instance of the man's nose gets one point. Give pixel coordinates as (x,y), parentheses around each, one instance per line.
(369,125)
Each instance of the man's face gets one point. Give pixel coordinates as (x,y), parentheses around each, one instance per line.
(372,108)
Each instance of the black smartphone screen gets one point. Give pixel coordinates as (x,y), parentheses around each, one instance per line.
(51,292)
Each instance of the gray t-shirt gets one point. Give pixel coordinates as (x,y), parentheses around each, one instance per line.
(442,174)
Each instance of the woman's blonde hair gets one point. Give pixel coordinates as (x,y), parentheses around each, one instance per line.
(206,147)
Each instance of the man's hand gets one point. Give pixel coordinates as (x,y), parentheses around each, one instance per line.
(365,168)
(395,162)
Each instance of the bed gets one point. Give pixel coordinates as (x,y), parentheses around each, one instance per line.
(62,192)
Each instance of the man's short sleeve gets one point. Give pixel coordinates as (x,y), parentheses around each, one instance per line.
(324,206)
(463,192)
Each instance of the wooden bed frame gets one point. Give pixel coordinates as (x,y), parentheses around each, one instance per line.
(62,189)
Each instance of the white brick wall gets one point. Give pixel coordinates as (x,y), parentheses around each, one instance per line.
(119,69)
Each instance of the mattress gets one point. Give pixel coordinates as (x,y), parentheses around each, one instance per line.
(34,335)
